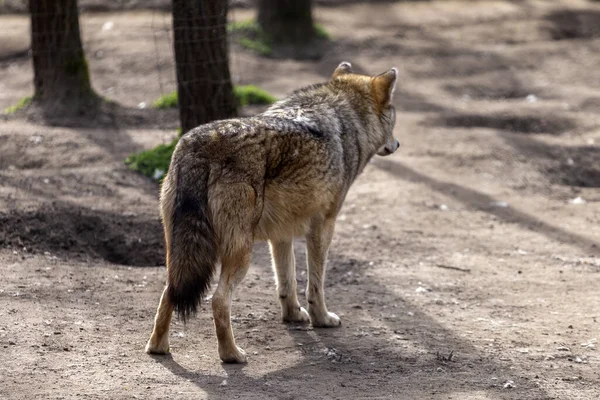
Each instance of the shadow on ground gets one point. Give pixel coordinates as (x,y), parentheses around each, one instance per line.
(575,166)
(83,233)
(482,202)
(403,355)
(574,24)
(513,123)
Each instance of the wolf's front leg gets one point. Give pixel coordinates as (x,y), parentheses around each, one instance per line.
(317,246)
(284,265)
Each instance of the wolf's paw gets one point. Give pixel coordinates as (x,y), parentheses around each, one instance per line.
(329,320)
(156,346)
(299,316)
(233,356)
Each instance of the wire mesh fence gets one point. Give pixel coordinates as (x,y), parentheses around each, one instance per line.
(130,52)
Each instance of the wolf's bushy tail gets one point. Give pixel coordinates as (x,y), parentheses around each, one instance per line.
(192,251)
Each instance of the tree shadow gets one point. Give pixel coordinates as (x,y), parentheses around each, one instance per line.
(482,202)
(115,116)
(75,184)
(106,126)
(575,166)
(574,24)
(402,355)
(407,355)
(14,55)
(527,124)
(82,233)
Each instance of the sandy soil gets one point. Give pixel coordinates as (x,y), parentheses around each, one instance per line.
(461,268)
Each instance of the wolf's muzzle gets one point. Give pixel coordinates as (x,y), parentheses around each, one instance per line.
(389,148)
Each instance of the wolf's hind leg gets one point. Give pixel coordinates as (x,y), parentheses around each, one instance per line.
(317,246)
(233,270)
(159,341)
(284,265)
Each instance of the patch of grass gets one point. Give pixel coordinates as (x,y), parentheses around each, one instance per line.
(260,46)
(166,101)
(244,94)
(250,94)
(251,36)
(249,25)
(153,163)
(24,102)
(321,32)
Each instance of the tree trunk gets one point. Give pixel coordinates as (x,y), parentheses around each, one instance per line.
(61,76)
(289,27)
(287,21)
(202,62)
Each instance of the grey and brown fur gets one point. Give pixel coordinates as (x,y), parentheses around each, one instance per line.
(276,176)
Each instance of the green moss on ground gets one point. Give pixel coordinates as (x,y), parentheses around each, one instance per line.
(321,32)
(259,46)
(244,94)
(250,35)
(24,102)
(166,101)
(153,163)
(243,26)
(250,94)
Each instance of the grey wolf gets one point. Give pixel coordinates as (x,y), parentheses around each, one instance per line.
(275,176)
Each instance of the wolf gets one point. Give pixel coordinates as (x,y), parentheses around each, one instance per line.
(273,177)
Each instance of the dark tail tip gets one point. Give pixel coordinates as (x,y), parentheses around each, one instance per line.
(187,296)
(193,254)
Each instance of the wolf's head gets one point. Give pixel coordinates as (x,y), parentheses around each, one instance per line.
(372,94)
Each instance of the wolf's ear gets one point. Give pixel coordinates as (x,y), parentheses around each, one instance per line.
(342,69)
(384,85)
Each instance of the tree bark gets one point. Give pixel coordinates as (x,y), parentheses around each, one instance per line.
(287,21)
(289,27)
(202,62)
(61,76)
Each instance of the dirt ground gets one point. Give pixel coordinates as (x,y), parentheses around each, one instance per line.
(462,266)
